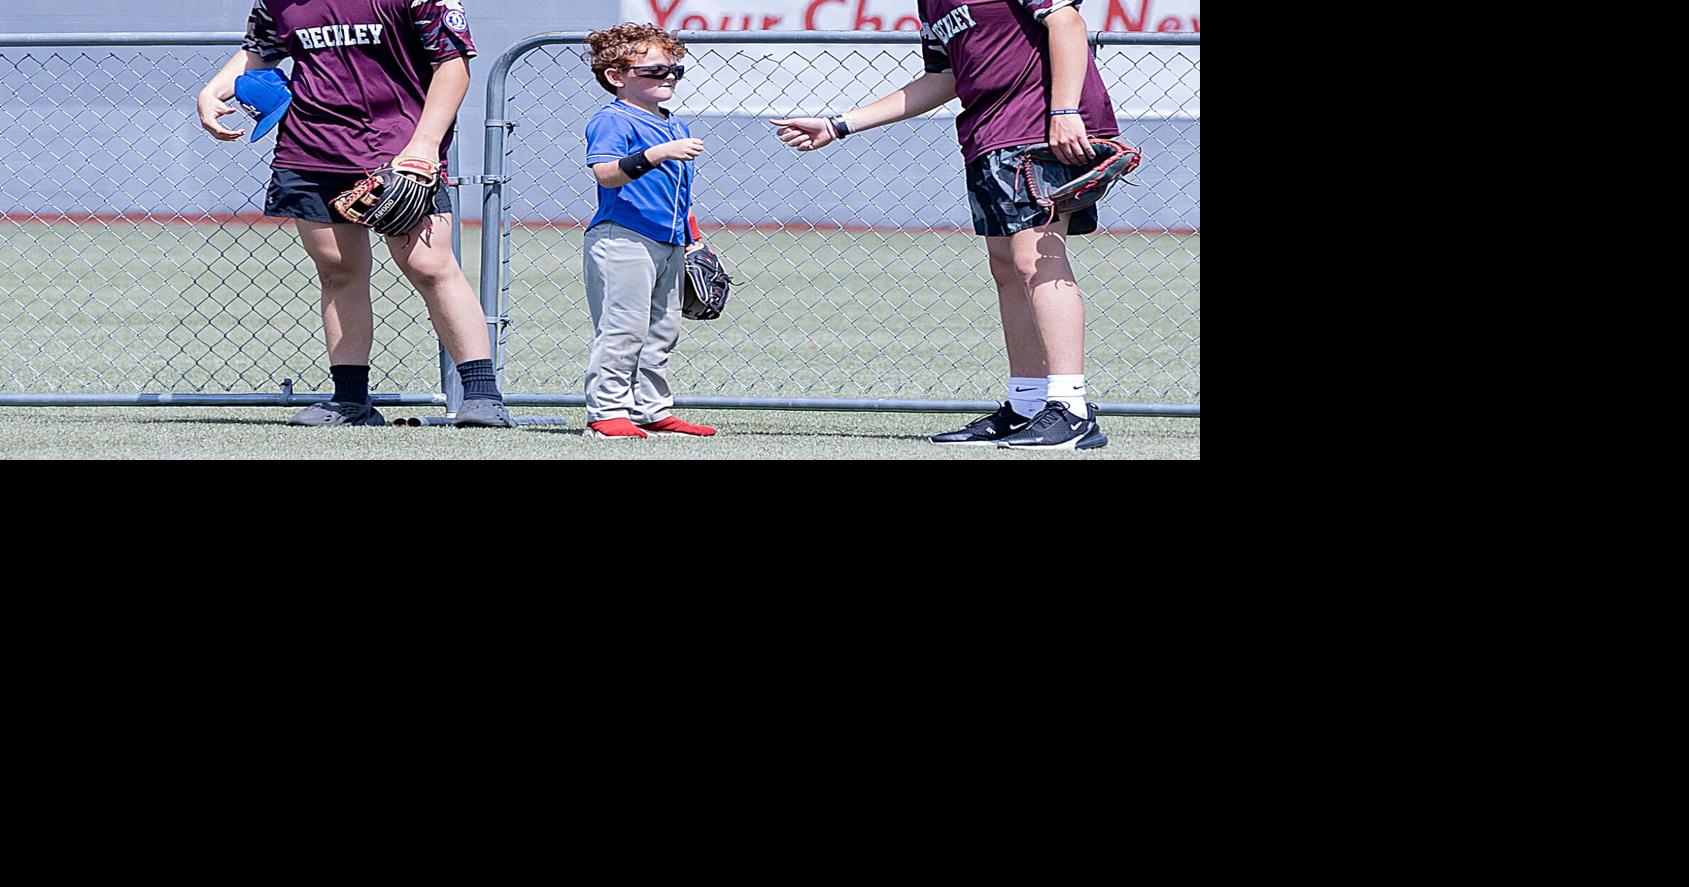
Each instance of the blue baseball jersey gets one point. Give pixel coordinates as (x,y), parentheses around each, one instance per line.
(657,203)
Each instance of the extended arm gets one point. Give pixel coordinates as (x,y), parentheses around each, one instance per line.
(611,174)
(923,94)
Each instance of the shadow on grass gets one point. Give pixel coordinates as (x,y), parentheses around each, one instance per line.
(736,436)
(278,423)
(842,435)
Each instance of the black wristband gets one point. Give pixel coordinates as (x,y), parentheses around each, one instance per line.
(635,165)
(840,127)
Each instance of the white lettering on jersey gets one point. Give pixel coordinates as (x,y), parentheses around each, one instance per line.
(328,36)
(960,19)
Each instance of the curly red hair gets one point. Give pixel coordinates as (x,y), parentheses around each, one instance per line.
(626,44)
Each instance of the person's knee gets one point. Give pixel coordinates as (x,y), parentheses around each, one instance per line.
(337,275)
(432,272)
(1030,269)
(1003,270)
(1042,261)
(623,342)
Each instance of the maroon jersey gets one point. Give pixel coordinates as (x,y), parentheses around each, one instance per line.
(361,70)
(999,52)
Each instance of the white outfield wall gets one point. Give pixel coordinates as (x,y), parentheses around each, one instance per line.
(1135,96)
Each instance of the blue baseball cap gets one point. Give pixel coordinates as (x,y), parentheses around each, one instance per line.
(264,95)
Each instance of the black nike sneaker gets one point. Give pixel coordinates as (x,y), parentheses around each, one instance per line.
(1057,428)
(987,431)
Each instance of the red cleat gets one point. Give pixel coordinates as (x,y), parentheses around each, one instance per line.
(675,427)
(614,429)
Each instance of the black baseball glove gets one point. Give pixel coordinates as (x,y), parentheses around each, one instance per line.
(706,285)
(1111,162)
(394,199)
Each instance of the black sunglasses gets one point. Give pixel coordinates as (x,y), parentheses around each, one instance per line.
(657,72)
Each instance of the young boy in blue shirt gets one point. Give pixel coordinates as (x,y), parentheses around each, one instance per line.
(635,256)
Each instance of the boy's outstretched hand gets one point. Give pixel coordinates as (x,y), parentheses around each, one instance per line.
(805,133)
(679,149)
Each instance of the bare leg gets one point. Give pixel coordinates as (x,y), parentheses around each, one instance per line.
(1020,332)
(1058,310)
(342,256)
(425,257)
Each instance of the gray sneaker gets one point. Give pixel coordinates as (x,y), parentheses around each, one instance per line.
(337,413)
(483,414)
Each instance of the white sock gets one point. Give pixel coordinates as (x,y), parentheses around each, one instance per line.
(1071,391)
(1026,395)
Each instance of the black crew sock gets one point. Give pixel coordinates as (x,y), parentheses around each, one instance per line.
(351,383)
(479,381)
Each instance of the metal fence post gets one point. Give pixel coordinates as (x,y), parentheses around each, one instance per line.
(492,200)
(451,384)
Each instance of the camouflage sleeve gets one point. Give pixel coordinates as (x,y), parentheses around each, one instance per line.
(261,39)
(1041,9)
(933,53)
(444,29)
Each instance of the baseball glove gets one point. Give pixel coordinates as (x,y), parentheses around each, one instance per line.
(706,285)
(394,199)
(1113,161)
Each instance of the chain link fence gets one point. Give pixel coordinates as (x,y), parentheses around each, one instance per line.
(134,255)
(135,260)
(859,278)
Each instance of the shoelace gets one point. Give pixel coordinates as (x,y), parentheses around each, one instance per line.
(1054,414)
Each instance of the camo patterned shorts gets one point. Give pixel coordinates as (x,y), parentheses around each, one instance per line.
(1001,204)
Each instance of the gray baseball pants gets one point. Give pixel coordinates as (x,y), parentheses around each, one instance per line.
(633,287)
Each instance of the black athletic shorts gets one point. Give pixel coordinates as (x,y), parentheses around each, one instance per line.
(301,194)
(1002,204)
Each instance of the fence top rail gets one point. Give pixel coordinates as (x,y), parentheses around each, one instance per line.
(501,67)
(192,38)
(219,38)
(1102,38)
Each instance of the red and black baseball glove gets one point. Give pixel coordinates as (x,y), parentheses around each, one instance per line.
(394,199)
(1113,160)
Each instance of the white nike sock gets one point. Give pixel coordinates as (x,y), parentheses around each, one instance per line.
(1026,395)
(1071,391)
